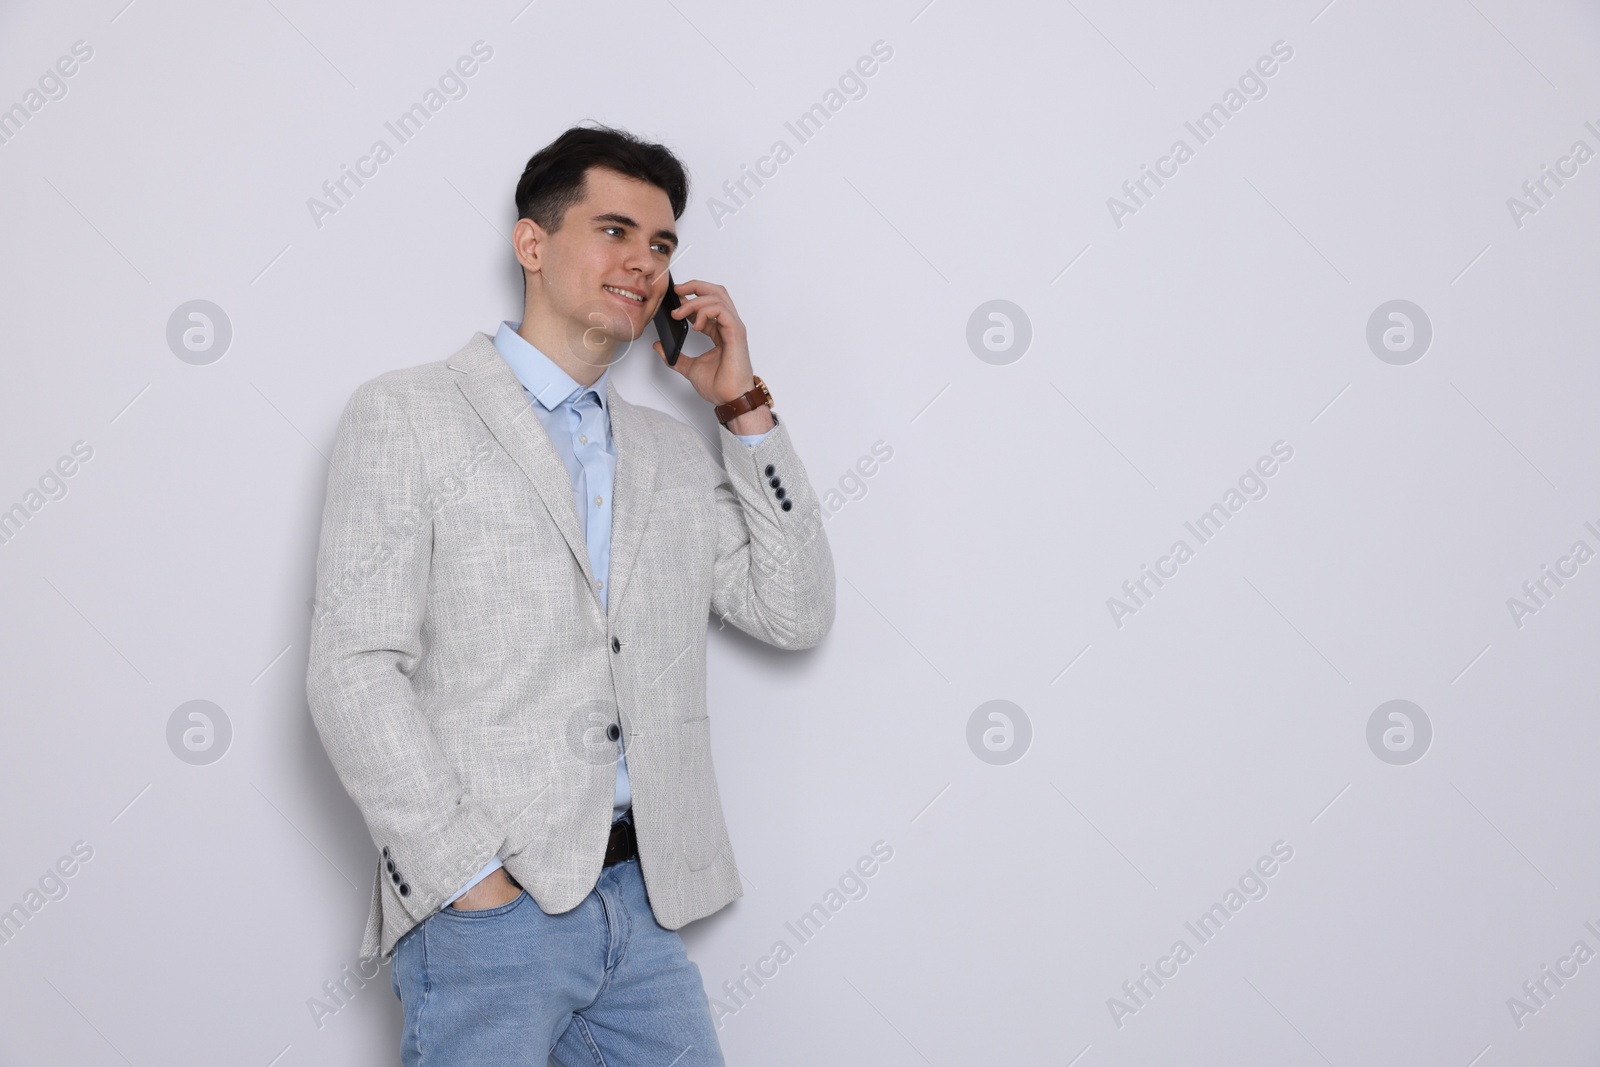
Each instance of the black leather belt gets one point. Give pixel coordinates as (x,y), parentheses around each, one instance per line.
(622,844)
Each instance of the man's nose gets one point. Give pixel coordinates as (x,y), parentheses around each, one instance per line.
(642,261)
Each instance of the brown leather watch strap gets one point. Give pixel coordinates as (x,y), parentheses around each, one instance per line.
(748,402)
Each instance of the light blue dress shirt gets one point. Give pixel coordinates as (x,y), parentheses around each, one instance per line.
(579,424)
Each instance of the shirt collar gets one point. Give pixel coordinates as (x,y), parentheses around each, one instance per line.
(545,382)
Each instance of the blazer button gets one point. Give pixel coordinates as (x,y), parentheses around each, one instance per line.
(390,865)
(616,646)
(394,876)
(771,470)
(781,493)
(775,482)
(385,850)
(788,505)
(612,732)
(405,890)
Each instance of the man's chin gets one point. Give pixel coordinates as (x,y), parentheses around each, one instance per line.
(596,326)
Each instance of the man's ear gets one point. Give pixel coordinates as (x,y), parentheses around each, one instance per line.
(527,240)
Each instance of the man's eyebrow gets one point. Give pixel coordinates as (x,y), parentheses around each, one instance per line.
(623,220)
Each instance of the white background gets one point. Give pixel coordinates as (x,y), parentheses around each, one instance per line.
(1168,353)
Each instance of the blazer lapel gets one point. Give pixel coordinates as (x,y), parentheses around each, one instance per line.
(491,387)
(637,459)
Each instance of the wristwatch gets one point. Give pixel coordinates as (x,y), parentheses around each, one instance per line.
(748,402)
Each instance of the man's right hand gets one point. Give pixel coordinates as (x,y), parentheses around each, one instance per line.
(496,889)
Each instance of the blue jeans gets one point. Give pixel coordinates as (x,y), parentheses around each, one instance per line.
(602,985)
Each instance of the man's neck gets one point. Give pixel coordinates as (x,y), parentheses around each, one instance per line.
(552,338)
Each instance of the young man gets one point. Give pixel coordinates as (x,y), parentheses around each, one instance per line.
(507,666)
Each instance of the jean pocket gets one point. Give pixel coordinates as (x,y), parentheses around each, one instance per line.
(485,913)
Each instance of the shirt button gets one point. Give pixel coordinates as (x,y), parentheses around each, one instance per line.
(600,584)
(583,438)
(599,500)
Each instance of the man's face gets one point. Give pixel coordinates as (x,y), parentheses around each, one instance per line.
(619,236)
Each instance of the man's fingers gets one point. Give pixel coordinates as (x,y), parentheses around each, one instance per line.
(708,298)
(703,312)
(696,286)
(696,306)
(685,360)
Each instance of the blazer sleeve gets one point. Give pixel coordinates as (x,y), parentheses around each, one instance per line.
(372,579)
(774,575)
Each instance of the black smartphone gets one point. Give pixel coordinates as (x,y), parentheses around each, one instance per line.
(671,331)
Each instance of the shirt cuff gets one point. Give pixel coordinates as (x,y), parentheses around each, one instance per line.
(753,439)
(486,871)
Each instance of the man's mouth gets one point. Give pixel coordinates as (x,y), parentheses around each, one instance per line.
(626,294)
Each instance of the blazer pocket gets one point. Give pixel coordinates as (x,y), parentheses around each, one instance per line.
(700,828)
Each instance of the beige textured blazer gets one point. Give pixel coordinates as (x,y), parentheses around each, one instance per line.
(462,673)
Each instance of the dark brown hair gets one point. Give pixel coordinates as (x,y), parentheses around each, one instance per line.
(553,179)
